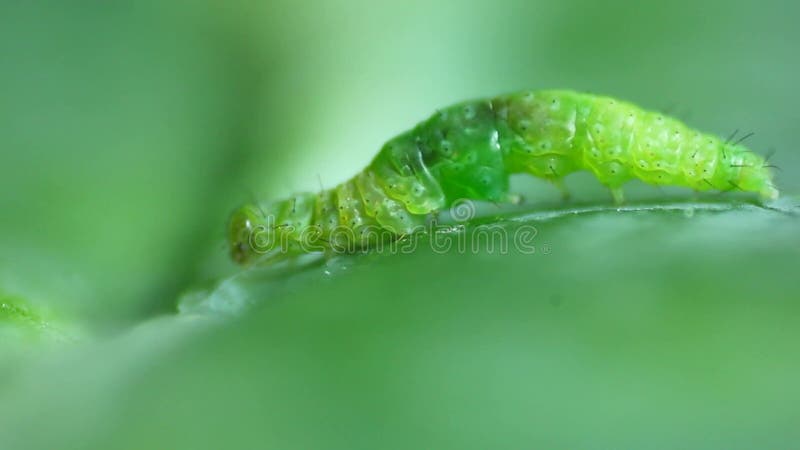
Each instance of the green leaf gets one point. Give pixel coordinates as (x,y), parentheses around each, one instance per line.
(668,322)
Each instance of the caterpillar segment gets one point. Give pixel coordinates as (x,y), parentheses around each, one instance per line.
(469,151)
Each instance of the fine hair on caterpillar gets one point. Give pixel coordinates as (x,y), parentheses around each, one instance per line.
(469,150)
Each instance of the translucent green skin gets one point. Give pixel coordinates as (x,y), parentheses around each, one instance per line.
(469,150)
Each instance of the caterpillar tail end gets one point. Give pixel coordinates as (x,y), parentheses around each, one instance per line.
(769,193)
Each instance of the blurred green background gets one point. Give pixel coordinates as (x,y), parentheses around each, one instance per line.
(131,129)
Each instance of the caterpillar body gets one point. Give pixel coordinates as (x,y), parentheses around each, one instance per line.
(469,150)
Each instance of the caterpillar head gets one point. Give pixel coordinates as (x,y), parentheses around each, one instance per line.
(249,234)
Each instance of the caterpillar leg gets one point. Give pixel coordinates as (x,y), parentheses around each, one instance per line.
(618,194)
(559,184)
(432,218)
(515,199)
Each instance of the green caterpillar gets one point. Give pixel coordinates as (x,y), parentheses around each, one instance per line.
(469,150)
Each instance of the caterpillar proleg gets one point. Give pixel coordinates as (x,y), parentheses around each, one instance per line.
(469,150)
